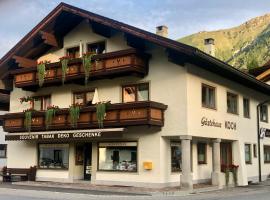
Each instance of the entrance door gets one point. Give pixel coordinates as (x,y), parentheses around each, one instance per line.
(87,161)
(226,153)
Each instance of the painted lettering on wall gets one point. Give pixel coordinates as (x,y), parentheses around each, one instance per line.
(230,125)
(207,122)
(213,123)
(64,136)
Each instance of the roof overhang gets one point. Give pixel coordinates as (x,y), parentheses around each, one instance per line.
(65,17)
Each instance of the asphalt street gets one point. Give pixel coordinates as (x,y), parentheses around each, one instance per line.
(35,193)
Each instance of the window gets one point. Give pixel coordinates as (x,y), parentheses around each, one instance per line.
(246,108)
(3,150)
(98,47)
(266,151)
(201,148)
(176,157)
(248,153)
(264,113)
(53,156)
(73,52)
(232,103)
(117,156)
(41,103)
(138,92)
(208,96)
(84,98)
(255,150)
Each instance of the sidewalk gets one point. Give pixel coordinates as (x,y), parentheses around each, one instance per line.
(122,190)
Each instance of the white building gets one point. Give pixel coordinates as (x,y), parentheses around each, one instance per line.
(4,106)
(176,114)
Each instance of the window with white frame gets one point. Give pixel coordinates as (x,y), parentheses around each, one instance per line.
(232,103)
(208,96)
(3,150)
(264,113)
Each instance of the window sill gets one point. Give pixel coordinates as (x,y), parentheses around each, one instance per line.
(202,163)
(209,107)
(232,113)
(58,169)
(118,171)
(248,163)
(267,162)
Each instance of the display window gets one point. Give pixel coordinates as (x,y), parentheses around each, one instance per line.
(53,156)
(117,156)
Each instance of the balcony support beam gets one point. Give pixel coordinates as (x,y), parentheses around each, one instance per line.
(50,39)
(25,62)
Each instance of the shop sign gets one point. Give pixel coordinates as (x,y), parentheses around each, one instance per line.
(264,132)
(63,136)
(213,123)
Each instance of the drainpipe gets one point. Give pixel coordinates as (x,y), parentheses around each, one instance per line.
(259,138)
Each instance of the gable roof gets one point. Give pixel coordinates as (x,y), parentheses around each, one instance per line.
(65,17)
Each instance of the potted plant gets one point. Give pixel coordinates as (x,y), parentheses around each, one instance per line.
(41,69)
(50,114)
(101,112)
(64,64)
(227,169)
(234,169)
(74,113)
(26,99)
(87,64)
(28,119)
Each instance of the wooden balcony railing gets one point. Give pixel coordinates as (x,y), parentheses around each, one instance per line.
(107,65)
(118,115)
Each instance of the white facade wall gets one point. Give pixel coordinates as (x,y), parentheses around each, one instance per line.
(3,161)
(177,86)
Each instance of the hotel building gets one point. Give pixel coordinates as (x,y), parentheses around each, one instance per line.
(176,115)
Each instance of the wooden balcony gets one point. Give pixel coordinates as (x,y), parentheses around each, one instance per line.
(108,65)
(118,115)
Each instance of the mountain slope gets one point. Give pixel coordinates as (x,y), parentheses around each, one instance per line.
(247,44)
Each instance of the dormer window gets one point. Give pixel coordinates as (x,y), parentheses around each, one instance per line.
(98,47)
(73,52)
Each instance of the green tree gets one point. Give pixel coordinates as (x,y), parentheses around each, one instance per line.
(252,63)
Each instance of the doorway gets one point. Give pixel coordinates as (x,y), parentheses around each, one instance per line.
(226,153)
(87,161)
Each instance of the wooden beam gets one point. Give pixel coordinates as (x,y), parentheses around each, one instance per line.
(49,39)
(263,76)
(24,62)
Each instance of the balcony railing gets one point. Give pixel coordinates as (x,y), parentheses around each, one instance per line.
(117,115)
(107,65)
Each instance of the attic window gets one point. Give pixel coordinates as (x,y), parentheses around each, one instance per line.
(73,52)
(98,47)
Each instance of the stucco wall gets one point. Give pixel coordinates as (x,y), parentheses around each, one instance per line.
(3,161)
(177,86)
(246,128)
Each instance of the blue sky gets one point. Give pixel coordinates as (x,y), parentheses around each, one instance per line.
(183,17)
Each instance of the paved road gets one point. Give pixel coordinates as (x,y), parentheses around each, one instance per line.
(16,193)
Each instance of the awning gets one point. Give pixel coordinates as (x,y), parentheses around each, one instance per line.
(68,135)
